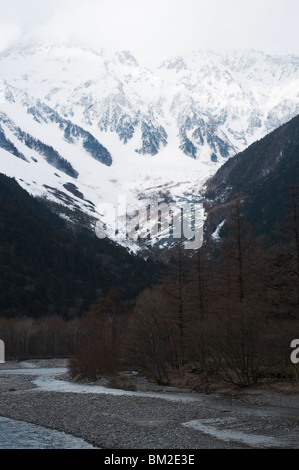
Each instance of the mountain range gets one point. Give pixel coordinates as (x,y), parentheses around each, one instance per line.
(80,126)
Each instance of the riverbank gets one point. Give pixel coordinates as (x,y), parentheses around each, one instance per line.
(155,418)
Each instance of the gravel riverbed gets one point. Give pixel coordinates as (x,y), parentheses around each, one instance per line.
(146,420)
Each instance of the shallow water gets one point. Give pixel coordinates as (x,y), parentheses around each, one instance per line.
(45,381)
(21,435)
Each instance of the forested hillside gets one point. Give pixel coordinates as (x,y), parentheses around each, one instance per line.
(48,268)
(261,176)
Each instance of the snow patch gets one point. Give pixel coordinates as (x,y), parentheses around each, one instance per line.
(216,234)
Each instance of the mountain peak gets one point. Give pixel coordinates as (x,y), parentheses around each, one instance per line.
(175,63)
(127,58)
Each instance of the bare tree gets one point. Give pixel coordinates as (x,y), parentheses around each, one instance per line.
(238,304)
(151,345)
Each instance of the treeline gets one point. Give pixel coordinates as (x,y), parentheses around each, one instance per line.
(46,337)
(228,314)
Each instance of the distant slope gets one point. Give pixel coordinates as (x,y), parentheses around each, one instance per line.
(260,174)
(48,269)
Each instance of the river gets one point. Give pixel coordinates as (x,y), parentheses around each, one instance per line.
(21,435)
(253,418)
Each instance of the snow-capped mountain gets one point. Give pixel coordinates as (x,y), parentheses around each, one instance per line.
(82,126)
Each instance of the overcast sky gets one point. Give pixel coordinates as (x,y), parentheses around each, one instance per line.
(156,29)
